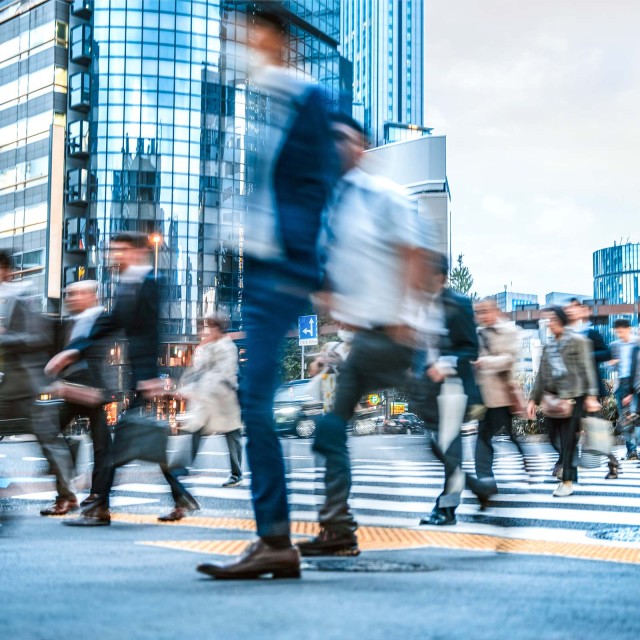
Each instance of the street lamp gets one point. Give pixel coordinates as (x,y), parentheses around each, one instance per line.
(156,238)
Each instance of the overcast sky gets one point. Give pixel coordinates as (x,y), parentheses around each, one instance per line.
(540,102)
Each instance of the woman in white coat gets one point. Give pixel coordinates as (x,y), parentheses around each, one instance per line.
(210,387)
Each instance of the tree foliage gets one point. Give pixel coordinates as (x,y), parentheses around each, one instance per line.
(461,280)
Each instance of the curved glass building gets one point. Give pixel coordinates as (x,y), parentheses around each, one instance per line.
(162,128)
(615,273)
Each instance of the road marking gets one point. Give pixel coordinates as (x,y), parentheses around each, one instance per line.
(32,459)
(393,538)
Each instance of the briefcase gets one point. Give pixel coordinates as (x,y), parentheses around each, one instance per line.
(139,436)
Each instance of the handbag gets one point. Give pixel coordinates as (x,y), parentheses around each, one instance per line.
(139,436)
(598,438)
(517,403)
(554,407)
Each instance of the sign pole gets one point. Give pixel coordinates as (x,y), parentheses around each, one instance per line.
(302,364)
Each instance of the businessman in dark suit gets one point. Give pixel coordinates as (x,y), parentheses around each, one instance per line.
(451,347)
(86,394)
(293,183)
(25,342)
(135,313)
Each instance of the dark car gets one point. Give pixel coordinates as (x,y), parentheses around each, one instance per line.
(403,423)
(296,408)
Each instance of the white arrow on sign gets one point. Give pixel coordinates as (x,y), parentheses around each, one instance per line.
(310,329)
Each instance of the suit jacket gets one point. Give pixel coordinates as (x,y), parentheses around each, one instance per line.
(461,340)
(136,312)
(635,370)
(580,378)
(601,353)
(499,346)
(89,370)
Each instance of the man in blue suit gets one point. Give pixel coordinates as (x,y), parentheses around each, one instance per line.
(293,182)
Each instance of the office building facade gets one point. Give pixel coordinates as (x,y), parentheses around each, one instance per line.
(384,39)
(34,40)
(508,301)
(141,115)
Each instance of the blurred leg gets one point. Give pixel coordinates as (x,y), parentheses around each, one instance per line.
(234,444)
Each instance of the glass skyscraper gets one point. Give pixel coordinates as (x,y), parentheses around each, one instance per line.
(384,39)
(33,103)
(615,273)
(163,126)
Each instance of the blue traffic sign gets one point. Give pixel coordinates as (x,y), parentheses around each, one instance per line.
(307,330)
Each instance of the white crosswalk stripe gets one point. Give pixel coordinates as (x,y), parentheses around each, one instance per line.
(397,492)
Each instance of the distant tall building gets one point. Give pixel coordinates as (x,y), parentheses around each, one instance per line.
(384,39)
(562,298)
(510,300)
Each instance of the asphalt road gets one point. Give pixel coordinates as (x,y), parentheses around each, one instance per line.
(61,582)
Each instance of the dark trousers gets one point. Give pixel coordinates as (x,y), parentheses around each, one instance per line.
(180,493)
(272,306)
(567,431)
(375,361)
(493,421)
(46,427)
(102,476)
(455,479)
(625,387)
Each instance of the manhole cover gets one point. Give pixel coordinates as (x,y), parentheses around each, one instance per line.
(620,534)
(366,566)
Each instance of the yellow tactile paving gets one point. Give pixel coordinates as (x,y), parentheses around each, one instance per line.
(390,538)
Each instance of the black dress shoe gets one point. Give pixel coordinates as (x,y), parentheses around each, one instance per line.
(330,543)
(92,517)
(441,517)
(257,561)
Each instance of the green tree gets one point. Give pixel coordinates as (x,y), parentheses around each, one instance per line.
(461,280)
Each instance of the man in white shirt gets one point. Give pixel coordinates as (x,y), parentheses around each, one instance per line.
(623,352)
(373,247)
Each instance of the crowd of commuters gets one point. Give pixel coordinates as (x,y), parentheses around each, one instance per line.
(319,227)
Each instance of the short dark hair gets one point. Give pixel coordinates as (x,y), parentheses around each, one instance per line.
(133,239)
(6,261)
(441,264)
(271,18)
(621,323)
(576,301)
(559,313)
(344,118)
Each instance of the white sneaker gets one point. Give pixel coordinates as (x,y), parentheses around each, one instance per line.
(563,490)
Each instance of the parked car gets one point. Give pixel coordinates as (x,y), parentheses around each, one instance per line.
(297,407)
(403,423)
(412,423)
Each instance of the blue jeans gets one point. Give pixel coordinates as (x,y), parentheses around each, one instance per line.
(623,390)
(272,306)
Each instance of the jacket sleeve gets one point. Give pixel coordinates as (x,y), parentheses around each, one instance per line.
(538,385)
(503,362)
(586,362)
(601,352)
(634,369)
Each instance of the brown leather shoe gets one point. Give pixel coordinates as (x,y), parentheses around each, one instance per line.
(89,500)
(60,507)
(93,517)
(258,560)
(178,513)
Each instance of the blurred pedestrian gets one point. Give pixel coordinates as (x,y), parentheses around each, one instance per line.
(499,343)
(82,385)
(374,242)
(136,309)
(623,352)
(567,386)
(293,181)
(445,377)
(210,387)
(579,321)
(24,343)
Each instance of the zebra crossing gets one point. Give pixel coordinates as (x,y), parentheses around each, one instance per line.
(398,492)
